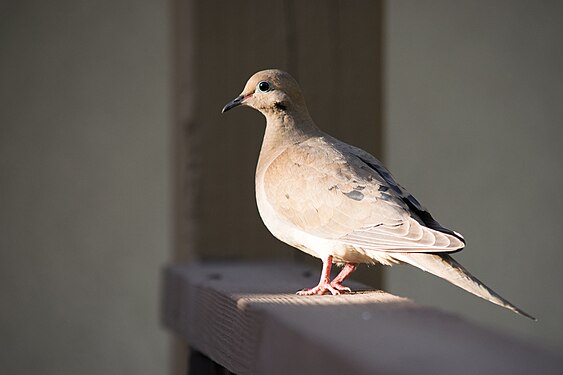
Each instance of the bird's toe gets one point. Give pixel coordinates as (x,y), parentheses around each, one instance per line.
(320,289)
(340,287)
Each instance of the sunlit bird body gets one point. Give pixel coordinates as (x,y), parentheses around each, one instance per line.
(337,202)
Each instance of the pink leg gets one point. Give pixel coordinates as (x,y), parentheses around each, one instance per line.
(344,273)
(324,284)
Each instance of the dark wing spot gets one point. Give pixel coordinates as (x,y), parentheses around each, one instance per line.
(382,188)
(287,196)
(386,176)
(387,197)
(355,195)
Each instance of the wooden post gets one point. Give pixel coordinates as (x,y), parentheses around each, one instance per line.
(333,48)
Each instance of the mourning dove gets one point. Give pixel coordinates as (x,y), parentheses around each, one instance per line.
(337,202)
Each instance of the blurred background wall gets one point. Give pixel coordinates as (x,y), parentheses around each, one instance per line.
(85,186)
(474,125)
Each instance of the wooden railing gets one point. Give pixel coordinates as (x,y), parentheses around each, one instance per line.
(246,319)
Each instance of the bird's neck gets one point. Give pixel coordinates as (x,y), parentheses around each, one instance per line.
(286,128)
(282,131)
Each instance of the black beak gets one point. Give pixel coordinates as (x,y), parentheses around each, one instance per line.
(233,103)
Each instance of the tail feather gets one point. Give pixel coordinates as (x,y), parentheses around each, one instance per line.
(444,266)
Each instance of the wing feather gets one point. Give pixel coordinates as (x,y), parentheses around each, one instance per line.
(335,193)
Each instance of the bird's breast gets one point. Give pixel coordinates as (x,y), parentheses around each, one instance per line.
(288,232)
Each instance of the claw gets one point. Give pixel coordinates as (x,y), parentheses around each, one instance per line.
(336,285)
(320,289)
(325,285)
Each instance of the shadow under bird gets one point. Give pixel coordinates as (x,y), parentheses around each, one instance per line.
(337,202)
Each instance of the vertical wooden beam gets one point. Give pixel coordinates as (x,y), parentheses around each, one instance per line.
(332,47)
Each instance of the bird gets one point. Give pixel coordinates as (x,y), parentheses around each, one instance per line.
(337,202)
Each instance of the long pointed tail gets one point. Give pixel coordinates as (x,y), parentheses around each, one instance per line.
(444,266)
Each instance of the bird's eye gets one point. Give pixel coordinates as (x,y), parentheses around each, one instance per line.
(263,86)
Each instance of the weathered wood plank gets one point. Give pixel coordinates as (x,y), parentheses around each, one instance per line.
(247,318)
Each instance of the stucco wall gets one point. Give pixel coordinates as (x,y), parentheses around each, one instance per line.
(473,123)
(84,203)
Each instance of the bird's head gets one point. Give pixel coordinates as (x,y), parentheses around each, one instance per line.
(270,92)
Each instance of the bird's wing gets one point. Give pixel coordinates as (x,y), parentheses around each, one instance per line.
(324,188)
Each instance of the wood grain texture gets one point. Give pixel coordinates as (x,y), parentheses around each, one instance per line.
(247,318)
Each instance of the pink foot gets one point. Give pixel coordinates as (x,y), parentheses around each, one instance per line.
(325,285)
(336,285)
(322,288)
(346,271)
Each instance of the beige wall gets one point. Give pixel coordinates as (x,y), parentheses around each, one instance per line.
(84,202)
(474,115)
